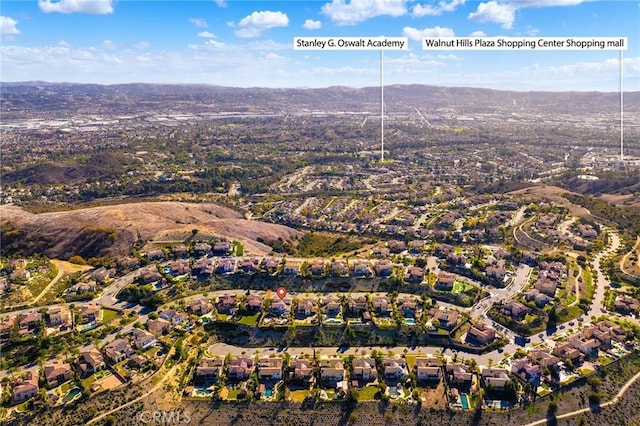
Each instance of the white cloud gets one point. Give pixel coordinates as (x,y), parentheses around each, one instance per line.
(8,26)
(310,24)
(253,25)
(420,10)
(198,22)
(90,7)
(499,13)
(206,34)
(221,3)
(355,11)
(478,33)
(418,35)
(142,45)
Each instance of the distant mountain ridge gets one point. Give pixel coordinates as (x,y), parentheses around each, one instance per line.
(62,99)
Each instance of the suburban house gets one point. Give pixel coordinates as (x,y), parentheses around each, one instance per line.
(254,303)
(155,254)
(332,307)
(88,314)
(57,373)
(445,281)
(481,333)
(526,370)
(91,361)
(331,371)
(565,350)
(200,306)
(446,319)
(100,275)
(270,368)
(118,350)
(201,249)
(357,305)
(179,251)
(249,266)
(209,369)
(222,248)
(30,321)
(227,304)
(301,371)
(203,267)
(414,274)
(496,378)
(428,369)
(150,274)
(142,339)
(543,358)
(58,316)
(179,267)
(383,268)
(361,269)
(269,265)
(159,326)
(25,388)
(279,308)
(316,269)
(408,307)
(306,308)
(364,370)
(339,269)
(381,305)
(626,304)
(539,298)
(240,368)
(394,368)
(514,309)
(226,266)
(459,374)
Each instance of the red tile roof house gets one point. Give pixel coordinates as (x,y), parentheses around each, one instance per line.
(364,369)
(254,303)
(88,314)
(481,333)
(25,388)
(446,318)
(270,368)
(306,308)
(227,304)
(331,371)
(159,326)
(428,368)
(495,377)
(394,368)
(91,361)
(301,371)
(445,281)
(240,368)
(201,306)
(209,369)
(57,373)
(118,350)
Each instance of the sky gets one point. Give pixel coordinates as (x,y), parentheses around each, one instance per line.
(250,43)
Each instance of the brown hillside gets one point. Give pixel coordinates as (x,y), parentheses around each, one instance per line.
(113,230)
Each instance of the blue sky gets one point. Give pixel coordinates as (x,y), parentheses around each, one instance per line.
(249,43)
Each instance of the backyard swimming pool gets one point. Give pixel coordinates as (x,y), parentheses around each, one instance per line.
(71,395)
(464,400)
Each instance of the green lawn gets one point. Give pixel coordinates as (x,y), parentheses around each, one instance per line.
(250,320)
(109,314)
(233,394)
(368,393)
(411,361)
(461,287)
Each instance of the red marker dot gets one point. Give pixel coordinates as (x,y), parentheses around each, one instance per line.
(281,292)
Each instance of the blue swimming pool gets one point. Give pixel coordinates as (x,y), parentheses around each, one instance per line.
(464,400)
(410,321)
(268,393)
